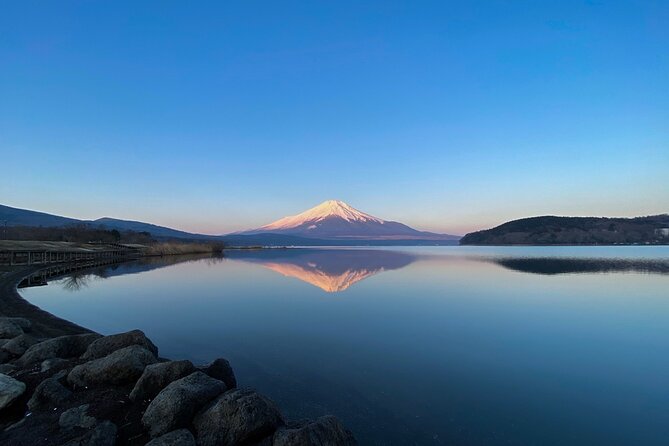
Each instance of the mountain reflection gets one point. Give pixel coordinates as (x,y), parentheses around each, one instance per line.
(331,270)
(552,265)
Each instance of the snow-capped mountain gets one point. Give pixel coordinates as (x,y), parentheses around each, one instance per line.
(336,219)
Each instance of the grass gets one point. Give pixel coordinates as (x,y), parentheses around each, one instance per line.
(172,248)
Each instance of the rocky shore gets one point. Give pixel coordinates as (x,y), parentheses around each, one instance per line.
(61,384)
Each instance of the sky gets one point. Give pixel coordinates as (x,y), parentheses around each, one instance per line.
(448,116)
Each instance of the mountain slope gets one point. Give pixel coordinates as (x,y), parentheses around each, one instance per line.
(334,219)
(552,230)
(24,217)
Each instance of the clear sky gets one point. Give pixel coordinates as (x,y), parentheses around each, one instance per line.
(447,116)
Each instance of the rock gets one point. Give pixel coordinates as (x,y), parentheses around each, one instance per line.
(54,363)
(109,344)
(121,367)
(19,344)
(3,342)
(10,390)
(22,322)
(49,394)
(76,417)
(104,434)
(221,370)
(237,417)
(325,431)
(7,368)
(176,404)
(61,347)
(9,328)
(181,437)
(5,356)
(157,376)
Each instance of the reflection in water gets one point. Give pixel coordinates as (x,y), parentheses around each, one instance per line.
(74,279)
(329,270)
(553,265)
(335,270)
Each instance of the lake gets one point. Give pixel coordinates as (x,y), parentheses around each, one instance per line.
(427,346)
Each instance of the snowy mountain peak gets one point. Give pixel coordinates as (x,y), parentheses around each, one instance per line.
(325,210)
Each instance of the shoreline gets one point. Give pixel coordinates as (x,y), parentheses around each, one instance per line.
(54,391)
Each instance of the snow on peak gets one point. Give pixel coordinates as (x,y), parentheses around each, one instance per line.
(327,209)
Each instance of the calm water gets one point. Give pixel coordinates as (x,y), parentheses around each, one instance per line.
(448,345)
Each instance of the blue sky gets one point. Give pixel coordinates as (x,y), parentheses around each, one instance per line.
(448,116)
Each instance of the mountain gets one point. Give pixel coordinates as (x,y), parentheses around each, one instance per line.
(552,230)
(336,220)
(24,217)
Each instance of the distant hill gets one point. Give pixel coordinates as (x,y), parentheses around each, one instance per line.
(25,217)
(551,230)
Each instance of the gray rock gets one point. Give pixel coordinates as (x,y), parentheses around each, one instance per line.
(157,376)
(176,404)
(10,390)
(121,367)
(5,357)
(7,368)
(22,322)
(109,344)
(3,342)
(20,344)
(9,328)
(54,363)
(237,417)
(325,431)
(221,370)
(76,417)
(181,437)
(49,394)
(104,434)
(61,347)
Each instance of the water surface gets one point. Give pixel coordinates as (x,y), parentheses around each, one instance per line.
(429,346)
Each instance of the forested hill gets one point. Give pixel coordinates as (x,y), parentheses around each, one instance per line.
(551,230)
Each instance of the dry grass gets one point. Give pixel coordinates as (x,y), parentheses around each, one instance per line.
(172,248)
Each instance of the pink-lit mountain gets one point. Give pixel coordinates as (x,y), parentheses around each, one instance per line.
(334,219)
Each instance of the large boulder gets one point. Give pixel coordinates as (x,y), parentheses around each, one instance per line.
(54,363)
(325,431)
(121,367)
(9,328)
(109,344)
(7,368)
(19,344)
(157,376)
(76,417)
(237,417)
(10,390)
(104,434)
(49,394)
(181,437)
(221,370)
(22,322)
(176,404)
(60,347)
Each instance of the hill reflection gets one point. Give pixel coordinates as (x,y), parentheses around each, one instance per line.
(552,265)
(332,270)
